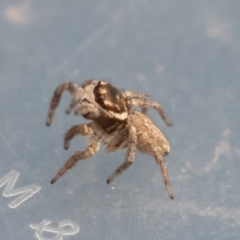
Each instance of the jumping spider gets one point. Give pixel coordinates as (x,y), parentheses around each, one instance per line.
(114,122)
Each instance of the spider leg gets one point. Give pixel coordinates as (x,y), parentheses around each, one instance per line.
(92,149)
(160,160)
(134,95)
(132,143)
(82,129)
(149,104)
(71,106)
(69,86)
(129,95)
(77,112)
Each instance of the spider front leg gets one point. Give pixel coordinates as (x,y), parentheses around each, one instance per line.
(71,106)
(92,149)
(132,143)
(69,86)
(83,129)
(160,160)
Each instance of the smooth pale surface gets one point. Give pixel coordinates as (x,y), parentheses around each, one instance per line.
(184,54)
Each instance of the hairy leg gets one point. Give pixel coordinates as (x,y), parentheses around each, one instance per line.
(83,129)
(134,95)
(149,104)
(92,149)
(69,86)
(71,106)
(132,143)
(160,160)
(131,96)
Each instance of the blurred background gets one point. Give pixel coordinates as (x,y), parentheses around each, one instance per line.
(184,54)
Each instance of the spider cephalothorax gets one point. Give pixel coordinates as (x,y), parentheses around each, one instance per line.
(114,122)
(109,98)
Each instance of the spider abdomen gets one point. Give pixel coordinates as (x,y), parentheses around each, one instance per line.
(150,139)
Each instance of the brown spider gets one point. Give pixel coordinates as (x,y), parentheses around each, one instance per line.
(113,122)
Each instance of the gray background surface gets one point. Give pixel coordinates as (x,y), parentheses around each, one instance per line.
(184,54)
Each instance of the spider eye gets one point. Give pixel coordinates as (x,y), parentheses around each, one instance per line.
(118,109)
(96,89)
(99,98)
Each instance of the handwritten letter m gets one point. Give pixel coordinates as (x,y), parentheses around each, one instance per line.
(26,192)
